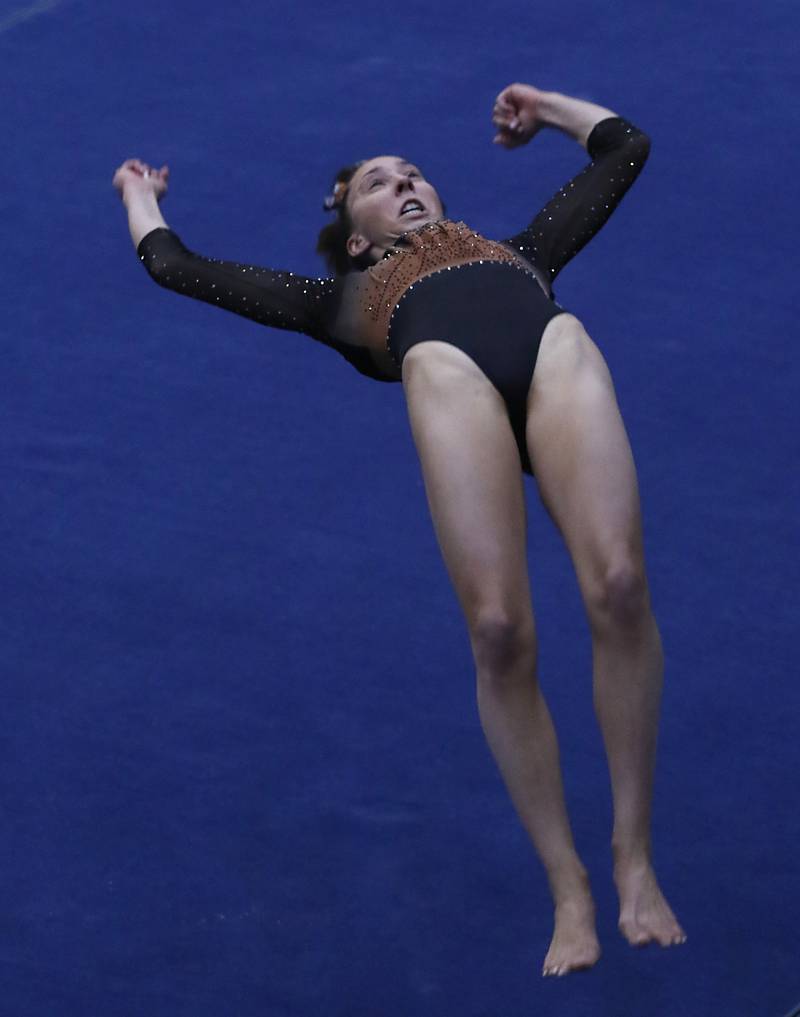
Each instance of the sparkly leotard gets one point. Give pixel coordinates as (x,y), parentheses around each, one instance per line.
(442,281)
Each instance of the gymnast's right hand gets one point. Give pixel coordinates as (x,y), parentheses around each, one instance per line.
(136,176)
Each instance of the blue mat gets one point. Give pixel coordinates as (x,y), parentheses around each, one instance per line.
(243,771)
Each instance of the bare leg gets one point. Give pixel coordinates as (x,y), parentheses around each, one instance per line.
(474,487)
(587,479)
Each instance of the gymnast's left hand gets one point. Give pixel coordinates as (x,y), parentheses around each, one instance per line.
(517,115)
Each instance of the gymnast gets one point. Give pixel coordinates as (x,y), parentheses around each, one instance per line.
(499,380)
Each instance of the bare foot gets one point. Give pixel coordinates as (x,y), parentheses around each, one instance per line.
(574,945)
(644,915)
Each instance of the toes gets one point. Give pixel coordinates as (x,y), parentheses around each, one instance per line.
(672,938)
(641,937)
(565,967)
(629,930)
(559,970)
(635,936)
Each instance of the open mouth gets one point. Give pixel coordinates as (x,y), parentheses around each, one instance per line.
(412,205)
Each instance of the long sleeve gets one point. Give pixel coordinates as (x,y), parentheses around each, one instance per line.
(278,299)
(581,207)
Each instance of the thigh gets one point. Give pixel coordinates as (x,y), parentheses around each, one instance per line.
(582,458)
(471,470)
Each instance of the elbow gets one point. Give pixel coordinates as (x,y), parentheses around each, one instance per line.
(641,147)
(163,256)
(160,267)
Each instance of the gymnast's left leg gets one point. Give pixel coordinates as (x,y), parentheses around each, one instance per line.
(584,468)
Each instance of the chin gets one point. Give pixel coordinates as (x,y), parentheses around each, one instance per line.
(417,221)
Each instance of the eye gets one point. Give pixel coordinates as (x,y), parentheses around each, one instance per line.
(374,184)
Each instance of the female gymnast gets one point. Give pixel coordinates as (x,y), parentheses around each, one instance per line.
(499,379)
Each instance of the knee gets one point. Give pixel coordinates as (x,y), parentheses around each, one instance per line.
(502,643)
(621,597)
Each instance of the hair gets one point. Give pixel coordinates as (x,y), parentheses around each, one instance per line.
(332,239)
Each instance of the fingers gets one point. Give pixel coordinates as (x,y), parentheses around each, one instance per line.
(507,122)
(132,171)
(162,173)
(133,166)
(506,115)
(503,110)
(144,169)
(507,96)
(515,115)
(506,119)
(508,140)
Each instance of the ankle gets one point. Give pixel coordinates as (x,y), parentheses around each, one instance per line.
(631,852)
(569,882)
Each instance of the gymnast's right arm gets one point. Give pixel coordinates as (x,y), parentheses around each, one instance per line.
(582,206)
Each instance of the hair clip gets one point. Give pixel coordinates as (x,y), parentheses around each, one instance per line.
(337,198)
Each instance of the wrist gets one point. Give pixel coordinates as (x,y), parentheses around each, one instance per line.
(144,214)
(547,109)
(575,117)
(560,111)
(139,194)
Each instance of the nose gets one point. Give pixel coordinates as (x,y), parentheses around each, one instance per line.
(404,182)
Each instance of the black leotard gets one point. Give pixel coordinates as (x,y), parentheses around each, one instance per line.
(443,281)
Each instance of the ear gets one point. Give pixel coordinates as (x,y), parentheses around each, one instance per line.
(356,245)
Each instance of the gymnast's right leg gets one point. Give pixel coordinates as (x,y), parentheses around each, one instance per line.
(471,469)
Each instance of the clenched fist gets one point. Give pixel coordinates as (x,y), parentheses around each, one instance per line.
(137,175)
(516,114)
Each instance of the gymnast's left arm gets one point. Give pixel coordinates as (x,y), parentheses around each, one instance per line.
(618,151)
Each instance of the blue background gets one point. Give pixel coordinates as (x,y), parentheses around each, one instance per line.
(242,766)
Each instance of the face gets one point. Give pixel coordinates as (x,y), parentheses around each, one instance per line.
(387,196)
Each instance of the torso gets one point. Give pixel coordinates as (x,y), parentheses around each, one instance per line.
(372,296)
